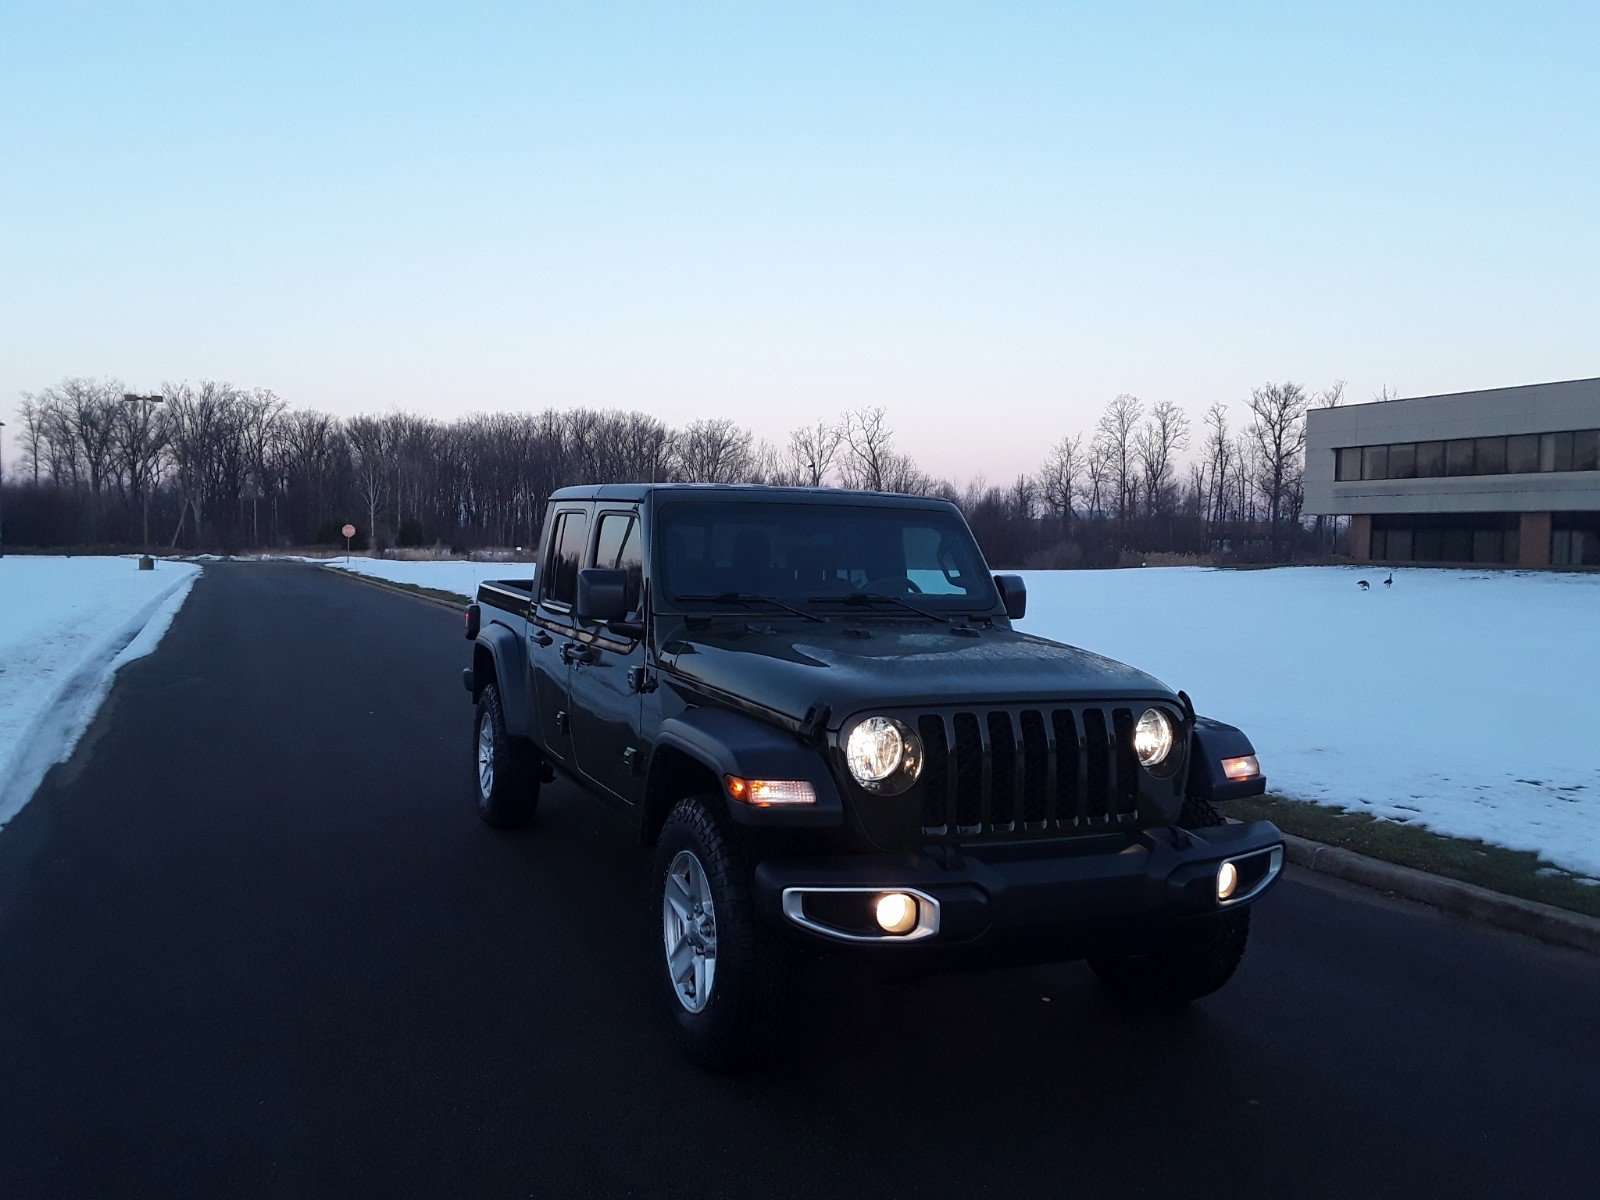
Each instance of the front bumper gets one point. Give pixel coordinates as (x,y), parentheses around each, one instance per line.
(1040,901)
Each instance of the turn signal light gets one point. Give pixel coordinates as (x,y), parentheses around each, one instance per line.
(1241,768)
(765,793)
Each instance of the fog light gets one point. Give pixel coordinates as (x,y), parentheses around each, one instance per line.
(1227,880)
(897,912)
(1247,767)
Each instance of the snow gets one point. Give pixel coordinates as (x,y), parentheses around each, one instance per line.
(446,575)
(1464,701)
(66,626)
(1459,700)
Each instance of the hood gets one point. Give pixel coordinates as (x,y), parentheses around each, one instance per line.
(789,668)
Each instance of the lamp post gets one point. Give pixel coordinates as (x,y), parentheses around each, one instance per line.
(145,404)
(2,492)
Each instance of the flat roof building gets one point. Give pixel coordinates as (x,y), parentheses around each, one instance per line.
(1508,475)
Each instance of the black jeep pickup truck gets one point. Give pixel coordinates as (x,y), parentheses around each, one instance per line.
(814,705)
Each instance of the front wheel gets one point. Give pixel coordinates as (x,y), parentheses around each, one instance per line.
(1197,960)
(725,977)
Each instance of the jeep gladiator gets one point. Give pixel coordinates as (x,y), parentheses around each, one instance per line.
(815,706)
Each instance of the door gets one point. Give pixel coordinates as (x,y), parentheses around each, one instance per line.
(552,629)
(605,696)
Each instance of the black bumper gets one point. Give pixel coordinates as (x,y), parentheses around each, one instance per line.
(1042,901)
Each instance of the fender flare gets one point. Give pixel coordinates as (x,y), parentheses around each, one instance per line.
(506,657)
(1210,743)
(731,743)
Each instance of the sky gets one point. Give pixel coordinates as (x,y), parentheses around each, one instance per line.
(989,218)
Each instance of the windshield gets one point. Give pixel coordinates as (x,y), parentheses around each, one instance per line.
(807,554)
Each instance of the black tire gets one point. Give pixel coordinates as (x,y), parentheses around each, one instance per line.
(742,1021)
(1199,813)
(1199,957)
(513,792)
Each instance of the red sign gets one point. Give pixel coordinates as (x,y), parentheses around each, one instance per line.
(349,531)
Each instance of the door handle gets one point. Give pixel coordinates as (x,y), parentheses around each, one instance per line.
(575,654)
(540,638)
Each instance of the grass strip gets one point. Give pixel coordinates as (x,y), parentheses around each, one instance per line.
(1514,872)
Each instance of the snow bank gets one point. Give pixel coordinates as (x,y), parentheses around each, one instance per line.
(1464,701)
(451,575)
(66,626)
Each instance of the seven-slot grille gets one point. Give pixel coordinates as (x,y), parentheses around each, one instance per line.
(1027,771)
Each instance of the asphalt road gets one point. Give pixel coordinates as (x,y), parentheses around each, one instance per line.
(254,941)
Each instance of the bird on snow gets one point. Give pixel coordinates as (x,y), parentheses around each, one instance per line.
(1363,584)
(1389,582)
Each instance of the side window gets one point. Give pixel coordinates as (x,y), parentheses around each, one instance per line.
(617,547)
(566,552)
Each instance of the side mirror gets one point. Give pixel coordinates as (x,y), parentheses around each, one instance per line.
(602,594)
(1013,594)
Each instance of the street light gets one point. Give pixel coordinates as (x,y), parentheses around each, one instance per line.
(2,492)
(145,404)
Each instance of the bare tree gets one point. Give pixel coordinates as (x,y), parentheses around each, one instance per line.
(1058,481)
(1115,434)
(810,454)
(1278,431)
(1165,432)
(866,460)
(371,456)
(714,451)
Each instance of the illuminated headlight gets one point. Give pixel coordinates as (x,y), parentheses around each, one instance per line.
(883,754)
(1152,738)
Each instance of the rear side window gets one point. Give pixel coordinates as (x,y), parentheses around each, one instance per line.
(617,548)
(566,553)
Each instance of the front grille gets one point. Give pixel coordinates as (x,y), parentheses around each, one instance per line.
(1028,772)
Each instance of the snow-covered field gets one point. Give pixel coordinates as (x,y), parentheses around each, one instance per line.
(66,625)
(450,575)
(1464,701)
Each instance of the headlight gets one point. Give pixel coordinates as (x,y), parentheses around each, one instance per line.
(1152,738)
(883,754)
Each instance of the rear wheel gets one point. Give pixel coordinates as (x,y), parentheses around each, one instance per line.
(726,979)
(1198,958)
(508,784)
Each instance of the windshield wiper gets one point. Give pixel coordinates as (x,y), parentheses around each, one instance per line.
(753,598)
(877,598)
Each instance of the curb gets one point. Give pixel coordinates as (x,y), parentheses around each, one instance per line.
(454,606)
(1542,921)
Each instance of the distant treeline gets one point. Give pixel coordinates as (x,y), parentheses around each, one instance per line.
(226,468)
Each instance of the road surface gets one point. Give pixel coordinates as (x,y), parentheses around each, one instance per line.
(255,942)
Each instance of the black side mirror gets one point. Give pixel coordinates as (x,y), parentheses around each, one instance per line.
(602,594)
(1013,594)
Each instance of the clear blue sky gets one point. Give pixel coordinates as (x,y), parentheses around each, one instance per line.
(988,217)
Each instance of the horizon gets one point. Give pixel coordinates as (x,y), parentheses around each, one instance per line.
(778,216)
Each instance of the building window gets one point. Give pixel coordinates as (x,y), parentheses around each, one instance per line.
(1375,462)
(1555,452)
(1522,454)
(1458,457)
(1586,450)
(1491,456)
(1403,461)
(1517,454)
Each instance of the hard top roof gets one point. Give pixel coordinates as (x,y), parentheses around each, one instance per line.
(635,492)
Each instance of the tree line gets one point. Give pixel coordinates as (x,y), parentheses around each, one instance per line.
(225,468)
